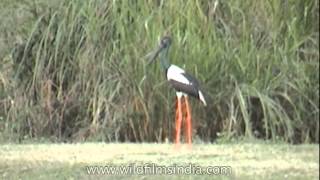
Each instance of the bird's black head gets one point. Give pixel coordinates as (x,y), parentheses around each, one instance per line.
(164,44)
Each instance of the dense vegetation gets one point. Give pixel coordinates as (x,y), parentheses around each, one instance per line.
(76,70)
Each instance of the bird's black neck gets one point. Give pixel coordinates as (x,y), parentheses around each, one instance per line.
(164,59)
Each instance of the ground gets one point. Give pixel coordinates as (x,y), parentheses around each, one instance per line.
(245,160)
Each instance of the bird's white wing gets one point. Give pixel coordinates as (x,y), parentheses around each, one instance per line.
(176,73)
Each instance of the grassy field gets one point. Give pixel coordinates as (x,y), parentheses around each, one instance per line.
(258,160)
(76,71)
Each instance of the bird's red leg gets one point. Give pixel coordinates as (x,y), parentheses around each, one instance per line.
(178,120)
(189,124)
(184,114)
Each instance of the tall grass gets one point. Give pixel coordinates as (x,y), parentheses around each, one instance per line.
(76,70)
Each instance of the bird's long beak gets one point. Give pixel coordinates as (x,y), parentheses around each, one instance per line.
(153,55)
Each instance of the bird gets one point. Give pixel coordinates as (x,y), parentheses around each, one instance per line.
(184,84)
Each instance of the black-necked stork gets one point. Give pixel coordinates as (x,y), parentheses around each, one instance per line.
(184,84)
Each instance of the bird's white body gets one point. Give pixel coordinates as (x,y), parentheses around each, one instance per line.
(178,74)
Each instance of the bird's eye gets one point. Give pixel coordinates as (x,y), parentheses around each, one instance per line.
(164,42)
